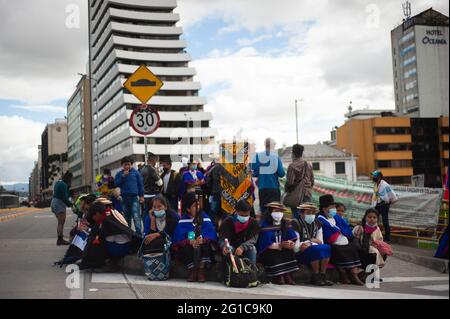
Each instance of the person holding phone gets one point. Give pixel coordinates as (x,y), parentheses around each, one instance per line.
(194,238)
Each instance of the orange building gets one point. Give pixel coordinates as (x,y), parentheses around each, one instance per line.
(400,147)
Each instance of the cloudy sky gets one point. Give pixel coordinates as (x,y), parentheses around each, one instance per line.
(253,58)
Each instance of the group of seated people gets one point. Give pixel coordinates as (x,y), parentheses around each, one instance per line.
(319,239)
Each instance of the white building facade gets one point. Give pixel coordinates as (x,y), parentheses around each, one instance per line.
(326,161)
(125,34)
(420,58)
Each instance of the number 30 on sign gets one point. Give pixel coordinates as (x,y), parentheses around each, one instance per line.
(145,120)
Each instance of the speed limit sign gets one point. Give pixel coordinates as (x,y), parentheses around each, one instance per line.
(145,120)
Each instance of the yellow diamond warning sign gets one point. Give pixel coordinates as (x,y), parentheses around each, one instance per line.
(143,84)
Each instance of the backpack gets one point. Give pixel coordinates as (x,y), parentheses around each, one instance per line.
(246,276)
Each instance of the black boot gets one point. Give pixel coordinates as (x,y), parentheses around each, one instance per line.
(326,281)
(316,280)
(62,242)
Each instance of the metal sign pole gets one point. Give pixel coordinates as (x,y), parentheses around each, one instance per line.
(145,150)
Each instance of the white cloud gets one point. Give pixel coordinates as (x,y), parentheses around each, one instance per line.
(338,51)
(41,108)
(18,147)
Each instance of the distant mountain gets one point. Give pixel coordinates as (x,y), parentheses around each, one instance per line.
(20,187)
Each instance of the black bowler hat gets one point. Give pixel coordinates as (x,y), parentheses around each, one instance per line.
(243,206)
(326,200)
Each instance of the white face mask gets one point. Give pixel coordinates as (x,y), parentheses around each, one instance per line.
(310,219)
(277,217)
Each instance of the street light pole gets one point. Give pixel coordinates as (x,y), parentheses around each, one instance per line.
(296,116)
(350,109)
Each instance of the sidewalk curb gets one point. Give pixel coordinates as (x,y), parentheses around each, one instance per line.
(437,264)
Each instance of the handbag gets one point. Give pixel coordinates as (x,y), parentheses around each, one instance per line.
(295,198)
(383,248)
(157,265)
(155,247)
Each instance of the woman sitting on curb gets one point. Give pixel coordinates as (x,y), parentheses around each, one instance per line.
(276,245)
(194,238)
(344,254)
(310,249)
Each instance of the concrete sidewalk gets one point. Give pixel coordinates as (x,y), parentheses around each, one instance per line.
(419,256)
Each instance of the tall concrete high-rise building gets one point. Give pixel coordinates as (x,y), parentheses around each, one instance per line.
(53,155)
(125,34)
(79,138)
(421,62)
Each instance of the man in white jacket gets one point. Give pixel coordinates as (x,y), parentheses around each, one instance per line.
(383,197)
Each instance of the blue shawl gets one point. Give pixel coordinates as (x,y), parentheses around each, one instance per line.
(329,230)
(268,236)
(188,179)
(185,225)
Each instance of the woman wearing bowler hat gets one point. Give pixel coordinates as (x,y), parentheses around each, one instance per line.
(336,233)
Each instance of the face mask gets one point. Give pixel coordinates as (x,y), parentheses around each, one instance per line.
(277,216)
(194,168)
(310,219)
(159,213)
(332,212)
(243,219)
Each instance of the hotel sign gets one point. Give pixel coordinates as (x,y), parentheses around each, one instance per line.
(434,37)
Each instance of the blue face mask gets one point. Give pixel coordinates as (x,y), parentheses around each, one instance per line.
(194,167)
(310,219)
(243,219)
(159,213)
(332,212)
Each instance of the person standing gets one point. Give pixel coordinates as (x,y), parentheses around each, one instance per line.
(59,204)
(215,190)
(268,168)
(171,184)
(131,187)
(300,180)
(193,180)
(152,182)
(383,197)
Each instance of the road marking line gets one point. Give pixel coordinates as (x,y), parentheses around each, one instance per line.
(268,290)
(434,287)
(414,279)
(16,215)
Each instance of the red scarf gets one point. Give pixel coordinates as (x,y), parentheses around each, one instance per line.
(239,227)
(370,229)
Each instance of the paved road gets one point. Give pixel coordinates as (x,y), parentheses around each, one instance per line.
(28,250)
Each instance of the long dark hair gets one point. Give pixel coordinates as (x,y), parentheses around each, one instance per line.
(162,200)
(369,211)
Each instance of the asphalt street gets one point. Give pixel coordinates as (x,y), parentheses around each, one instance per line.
(28,250)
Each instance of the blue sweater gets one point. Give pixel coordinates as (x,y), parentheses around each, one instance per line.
(131,185)
(268,168)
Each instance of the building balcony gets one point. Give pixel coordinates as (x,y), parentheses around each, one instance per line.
(154,44)
(159,71)
(391,122)
(393,155)
(143,29)
(144,16)
(168,100)
(392,139)
(156,4)
(154,57)
(392,172)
